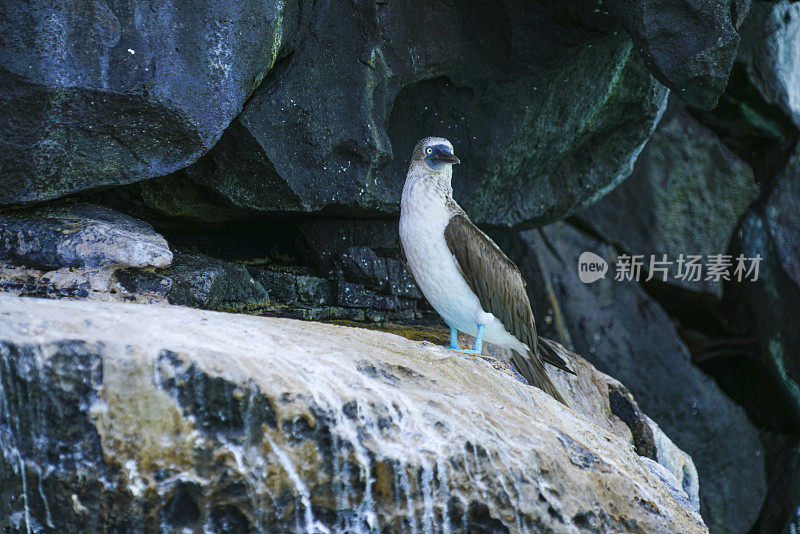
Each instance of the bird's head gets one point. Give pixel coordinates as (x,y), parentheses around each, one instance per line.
(436,153)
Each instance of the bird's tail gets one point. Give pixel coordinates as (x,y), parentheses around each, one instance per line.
(532,369)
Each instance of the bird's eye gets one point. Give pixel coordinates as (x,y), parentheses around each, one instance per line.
(429,150)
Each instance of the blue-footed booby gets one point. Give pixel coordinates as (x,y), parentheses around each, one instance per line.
(463,273)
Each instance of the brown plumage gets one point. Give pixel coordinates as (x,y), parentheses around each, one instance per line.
(500,289)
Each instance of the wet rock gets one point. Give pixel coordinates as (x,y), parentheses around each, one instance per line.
(80,235)
(103,95)
(627,335)
(609,404)
(203,282)
(690,46)
(770,54)
(685,196)
(280,426)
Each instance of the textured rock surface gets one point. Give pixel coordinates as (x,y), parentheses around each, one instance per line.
(608,403)
(80,235)
(166,417)
(626,334)
(775,299)
(783,217)
(202,282)
(770,52)
(95,94)
(545,116)
(686,196)
(782,511)
(690,45)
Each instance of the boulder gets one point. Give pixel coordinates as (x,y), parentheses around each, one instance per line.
(80,235)
(626,334)
(545,117)
(783,219)
(772,300)
(203,282)
(690,46)
(95,94)
(770,55)
(129,417)
(686,195)
(782,510)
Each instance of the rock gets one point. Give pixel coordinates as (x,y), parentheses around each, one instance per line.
(610,405)
(686,195)
(690,46)
(280,287)
(362,265)
(357,296)
(293,289)
(401,283)
(115,415)
(139,282)
(770,54)
(331,129)
(770,231)
(314,291)
(782,510)
(203,282)
(622,331)
(782,217)
(80,235)
(95,95)
(677,463)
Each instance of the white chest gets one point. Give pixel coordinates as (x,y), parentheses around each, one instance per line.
(423,218)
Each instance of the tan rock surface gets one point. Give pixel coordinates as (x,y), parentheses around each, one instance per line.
(179,418)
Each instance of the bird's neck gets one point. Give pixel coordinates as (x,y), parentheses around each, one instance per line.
(438,181)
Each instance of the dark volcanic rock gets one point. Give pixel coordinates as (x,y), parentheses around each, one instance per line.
(545,116)
(686,195)
(690,45)
(401,283)
(202,282)
(627,335)
(770,54)
(357,296)
(771,232)
(782,510)
(80,235)
(362,265)
(95,94)
(782,215)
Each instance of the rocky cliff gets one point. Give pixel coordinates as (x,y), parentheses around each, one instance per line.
(247,156)
(143,417)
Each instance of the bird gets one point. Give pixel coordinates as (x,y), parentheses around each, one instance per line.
(463,274)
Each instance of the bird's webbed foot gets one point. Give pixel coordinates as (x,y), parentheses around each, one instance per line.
(454,340)
(477,348)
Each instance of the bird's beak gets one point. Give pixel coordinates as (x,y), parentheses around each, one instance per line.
(441,154)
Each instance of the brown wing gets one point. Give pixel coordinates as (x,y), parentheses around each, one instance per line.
(497,282)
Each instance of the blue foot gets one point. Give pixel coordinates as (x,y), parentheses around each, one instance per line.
(454,340)
(477,348)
